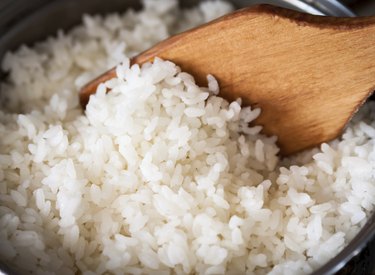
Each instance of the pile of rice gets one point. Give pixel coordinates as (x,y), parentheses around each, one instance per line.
(161,176)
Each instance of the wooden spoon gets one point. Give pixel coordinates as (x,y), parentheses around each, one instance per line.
(308,74)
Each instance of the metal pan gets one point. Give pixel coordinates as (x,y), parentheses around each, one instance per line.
(24,22)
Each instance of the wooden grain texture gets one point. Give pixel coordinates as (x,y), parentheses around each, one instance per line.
(308,74)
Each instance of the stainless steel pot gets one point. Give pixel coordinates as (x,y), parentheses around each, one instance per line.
(23,21)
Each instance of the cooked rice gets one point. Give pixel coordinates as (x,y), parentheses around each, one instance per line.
(161,175)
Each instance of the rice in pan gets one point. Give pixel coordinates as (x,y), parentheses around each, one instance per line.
(161,176)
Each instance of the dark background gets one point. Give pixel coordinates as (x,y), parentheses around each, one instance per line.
(361,7)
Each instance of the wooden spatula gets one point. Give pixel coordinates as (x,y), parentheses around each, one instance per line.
(308,74)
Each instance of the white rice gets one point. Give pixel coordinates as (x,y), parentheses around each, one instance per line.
(161,176)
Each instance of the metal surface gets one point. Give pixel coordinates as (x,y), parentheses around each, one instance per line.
(317,7)
(23,21)
(331,7)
